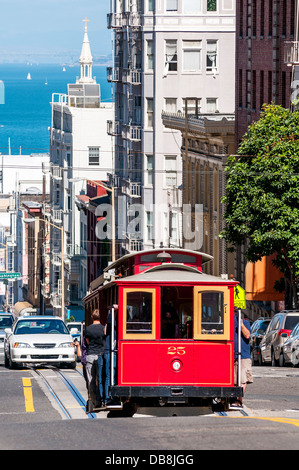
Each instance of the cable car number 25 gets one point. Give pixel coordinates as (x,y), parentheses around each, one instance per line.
(179,350)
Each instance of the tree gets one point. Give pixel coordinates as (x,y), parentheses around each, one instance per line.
(262,193)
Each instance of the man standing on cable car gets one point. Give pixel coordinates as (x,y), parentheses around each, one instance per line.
(245,357)
(95,339)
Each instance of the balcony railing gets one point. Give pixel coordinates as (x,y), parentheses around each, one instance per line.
(75,250)
(114,74)
(114,20)
(131,189)
(134,245)
(57,216)
(126,19)
(133,77)
(133,133)
(46,209)
(113,128)
(56,172)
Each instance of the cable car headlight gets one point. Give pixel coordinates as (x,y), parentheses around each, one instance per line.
(176,365)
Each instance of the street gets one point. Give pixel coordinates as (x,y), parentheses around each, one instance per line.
(31,418)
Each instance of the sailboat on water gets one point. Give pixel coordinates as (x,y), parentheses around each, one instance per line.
(29,76)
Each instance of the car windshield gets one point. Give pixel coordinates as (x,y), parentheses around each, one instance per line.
(5,322)
(40,327)
(291,322)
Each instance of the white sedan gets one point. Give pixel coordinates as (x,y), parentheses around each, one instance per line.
(39,340)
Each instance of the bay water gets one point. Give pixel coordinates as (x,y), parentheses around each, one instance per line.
(26,115)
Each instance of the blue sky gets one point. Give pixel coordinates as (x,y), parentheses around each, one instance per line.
(53,27)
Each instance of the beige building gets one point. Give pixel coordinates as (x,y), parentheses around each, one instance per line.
(207,140)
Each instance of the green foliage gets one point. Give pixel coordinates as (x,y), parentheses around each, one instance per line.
(212,5)
(262,191)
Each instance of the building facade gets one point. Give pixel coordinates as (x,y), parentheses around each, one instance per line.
(164,53)
(80,149)
(206,143)
(263,29)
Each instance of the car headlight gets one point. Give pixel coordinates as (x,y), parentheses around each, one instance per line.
(66,345)
(21,345)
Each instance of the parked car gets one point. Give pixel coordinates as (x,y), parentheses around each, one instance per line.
(6,321)
(279,329)
(77,328)
(258,329)
(291,348)
(39,340)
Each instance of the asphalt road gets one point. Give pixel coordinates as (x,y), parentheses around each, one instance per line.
(272,403)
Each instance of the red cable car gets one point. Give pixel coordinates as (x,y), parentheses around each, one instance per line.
(174,329)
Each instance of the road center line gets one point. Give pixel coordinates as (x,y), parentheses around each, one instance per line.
(27,387)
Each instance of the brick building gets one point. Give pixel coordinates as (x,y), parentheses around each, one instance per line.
(262,29)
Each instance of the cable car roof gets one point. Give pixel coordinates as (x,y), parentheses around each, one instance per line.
(174,272)
(205,258)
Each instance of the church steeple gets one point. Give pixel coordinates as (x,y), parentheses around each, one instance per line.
(86,59)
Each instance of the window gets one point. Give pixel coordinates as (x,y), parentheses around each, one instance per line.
(139,318)
(170,229)
(211,105)
(193,106)
(171,5)
(171,105)
(191,56)
(149,226)
(171,171)
(151,6)
(211,310)
(150,54)
(149,170)
(212,62)
(192,6)
(150,112)
(212,5)
(171,59)
(94,156)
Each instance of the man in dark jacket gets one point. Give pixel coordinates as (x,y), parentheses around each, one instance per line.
(95,340)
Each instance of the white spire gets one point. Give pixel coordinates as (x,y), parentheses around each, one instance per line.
(86,59)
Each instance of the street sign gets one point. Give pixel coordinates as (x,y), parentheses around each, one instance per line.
(240,298)
(10,275)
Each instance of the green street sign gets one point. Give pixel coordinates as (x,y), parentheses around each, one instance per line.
(240,298)
(10,275)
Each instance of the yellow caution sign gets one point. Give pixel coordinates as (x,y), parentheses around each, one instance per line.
(240,298)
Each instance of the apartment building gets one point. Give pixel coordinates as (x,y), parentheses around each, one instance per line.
(267,62)
(80,150)
(207,140)
(166,53)
(266,48)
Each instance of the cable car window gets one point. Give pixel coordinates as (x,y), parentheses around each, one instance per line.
(177,312)
(139,318)
(211,313)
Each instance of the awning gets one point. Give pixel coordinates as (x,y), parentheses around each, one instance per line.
(20,306)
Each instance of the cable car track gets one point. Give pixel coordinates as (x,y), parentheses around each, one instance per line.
(70,386)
